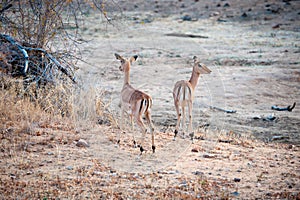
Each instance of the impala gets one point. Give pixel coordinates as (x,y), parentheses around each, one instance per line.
(135,103)
(183,94)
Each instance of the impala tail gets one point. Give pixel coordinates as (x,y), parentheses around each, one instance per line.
(182,92)
(144,102)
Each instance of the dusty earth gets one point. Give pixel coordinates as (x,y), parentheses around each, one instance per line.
(252,48)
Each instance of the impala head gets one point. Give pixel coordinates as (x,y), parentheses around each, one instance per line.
(125,63)
(200,68)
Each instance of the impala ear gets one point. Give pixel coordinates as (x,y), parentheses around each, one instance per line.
(133,58)
(119,57)
(196,60)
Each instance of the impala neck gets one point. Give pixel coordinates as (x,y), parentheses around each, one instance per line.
(194,79)
(126,78)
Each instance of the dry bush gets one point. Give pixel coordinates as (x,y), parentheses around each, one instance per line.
(19,112)
(49,32)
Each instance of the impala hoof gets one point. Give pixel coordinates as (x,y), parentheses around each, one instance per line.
(141,149)
(191,135)
(175,132)
(153,149)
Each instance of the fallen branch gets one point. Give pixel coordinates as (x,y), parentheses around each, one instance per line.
(223,110)
(26,57)
(186,35)
(53,59)
(289,108)
(20,47)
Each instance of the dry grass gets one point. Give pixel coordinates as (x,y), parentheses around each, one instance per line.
(31,130)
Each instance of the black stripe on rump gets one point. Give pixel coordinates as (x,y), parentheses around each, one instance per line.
(141,106)
(190,92)
(178,92)
(147,101)
(184,88)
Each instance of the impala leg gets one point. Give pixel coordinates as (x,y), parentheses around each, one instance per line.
(148,118)
(183,125)
(121,123)
(131,121)
(144,130)
(190,129)
(178,120)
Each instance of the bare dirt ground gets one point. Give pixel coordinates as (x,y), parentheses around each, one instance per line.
(252,48)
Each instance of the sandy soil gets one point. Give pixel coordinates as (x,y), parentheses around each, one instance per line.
(253,51)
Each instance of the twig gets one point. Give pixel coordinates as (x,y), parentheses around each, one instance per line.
(186,35)
(5,8)
(54,60)
(223,110)
(289,108)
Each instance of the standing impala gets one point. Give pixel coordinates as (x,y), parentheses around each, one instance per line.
(183,94)
(135,102)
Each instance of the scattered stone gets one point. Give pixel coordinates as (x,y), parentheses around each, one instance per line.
(29,172)
(197,173)
(169,172)
(69,168)
(272,165)
(276,26)
(237,180)
(226,5)
(82,143)
(186,18)
(279,137)
(96,173)
(225,141)
(12,176)
(214,14)
(183,184)
(235,193)
(221,20)
(244,15)
(209,155)
(195,149)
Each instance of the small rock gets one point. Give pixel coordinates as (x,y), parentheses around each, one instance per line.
(209,156)
(82,143)
(237,180)
(173,172)
(272,165)
(183,184)
(197,173)
(279,137)
(195,149)
(12,176)
(69,168)
(169,172)
(214,14)
(186,18)
(235,193)
(29,172)
(244,15)
(96,173)
(226,5)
